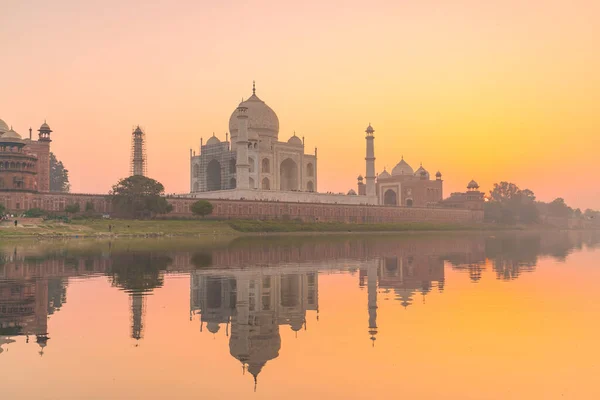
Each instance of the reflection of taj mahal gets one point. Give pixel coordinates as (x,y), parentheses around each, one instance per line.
(255,305)
(255,165)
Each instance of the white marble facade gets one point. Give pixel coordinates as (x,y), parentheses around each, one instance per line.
(272,165)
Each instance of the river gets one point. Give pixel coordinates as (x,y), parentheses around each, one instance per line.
(428,316)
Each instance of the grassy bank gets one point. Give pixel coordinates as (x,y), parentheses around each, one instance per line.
(139,228)
(293,226)
(127,228)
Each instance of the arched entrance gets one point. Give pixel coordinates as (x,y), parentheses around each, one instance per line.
(288,175)
(213,175)
(310,186)
(266,165)
(409,202)
(389,198)
(266,185)
(232,183)
(251,183)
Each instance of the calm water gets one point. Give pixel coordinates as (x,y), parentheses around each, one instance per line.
(508,316)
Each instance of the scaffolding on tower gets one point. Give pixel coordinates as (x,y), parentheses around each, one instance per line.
(139,162)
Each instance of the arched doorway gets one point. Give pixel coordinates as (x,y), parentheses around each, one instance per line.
(232,166)
(310,170)
(213,175)
(196,187)
(232,183)
(389,198)
(409,202)
(266,165)
(251,183)
(310,186)
(196,170)
(266,185)
(288,175)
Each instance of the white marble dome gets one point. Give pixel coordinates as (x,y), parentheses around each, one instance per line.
(212,140)
(3,127)
(262,120)
(402,168)
(295,140)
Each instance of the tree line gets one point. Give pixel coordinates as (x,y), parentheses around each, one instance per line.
(508,204)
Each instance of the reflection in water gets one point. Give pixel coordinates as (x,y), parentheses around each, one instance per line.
(255,304)
(252,287)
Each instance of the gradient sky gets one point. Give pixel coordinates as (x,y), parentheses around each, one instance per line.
(490,90)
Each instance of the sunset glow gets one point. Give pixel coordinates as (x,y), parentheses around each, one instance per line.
(486,90)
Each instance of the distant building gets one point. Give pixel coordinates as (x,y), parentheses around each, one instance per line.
(24,163)
(408,188)
(472,199)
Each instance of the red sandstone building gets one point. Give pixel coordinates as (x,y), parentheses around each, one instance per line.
(24,165)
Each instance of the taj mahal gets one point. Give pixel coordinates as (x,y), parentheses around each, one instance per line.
(253,164)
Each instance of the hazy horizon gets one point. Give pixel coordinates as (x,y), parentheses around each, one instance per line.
(492,92)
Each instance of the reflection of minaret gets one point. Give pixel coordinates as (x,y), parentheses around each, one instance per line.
(138,307)
(372,295)
(41,314)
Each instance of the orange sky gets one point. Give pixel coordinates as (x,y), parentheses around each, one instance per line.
(494,90)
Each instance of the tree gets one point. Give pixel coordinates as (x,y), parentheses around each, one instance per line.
(504,191)
(202,208)
(558,208)
(2,209)
(139,197)
(59,175)
(508,204)
(73,208)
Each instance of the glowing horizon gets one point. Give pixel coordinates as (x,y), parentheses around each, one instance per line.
(491,91)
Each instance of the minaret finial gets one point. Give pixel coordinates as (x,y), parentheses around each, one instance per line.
(253,87)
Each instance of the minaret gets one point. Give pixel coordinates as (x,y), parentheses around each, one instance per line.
(138,152)
(370,159)
(242,168)
(372,298)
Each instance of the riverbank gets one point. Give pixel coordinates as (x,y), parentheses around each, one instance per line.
(98,228)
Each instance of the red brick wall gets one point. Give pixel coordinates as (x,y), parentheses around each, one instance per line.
(246,209)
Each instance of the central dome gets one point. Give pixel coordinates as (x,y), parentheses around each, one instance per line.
(262,120)
(402,168)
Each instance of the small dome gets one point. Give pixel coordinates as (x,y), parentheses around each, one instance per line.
(402,168)
(3,127)
(473,185)
(438,174)
(351,192)
(360,178)
(213,140)
(45,127)
(138,130)
(11,137)
(370,130)
(384,175)
(422,171)
(295,140)
(262,120)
